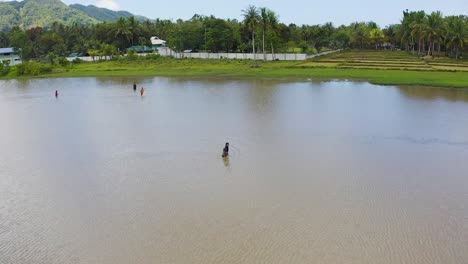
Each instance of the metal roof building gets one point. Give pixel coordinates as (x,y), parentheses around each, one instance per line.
(9,55)
(7,51)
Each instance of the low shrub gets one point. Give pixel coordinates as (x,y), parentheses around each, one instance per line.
(33,68)
(152,56)
(63,61)
(77,61)
(4,68)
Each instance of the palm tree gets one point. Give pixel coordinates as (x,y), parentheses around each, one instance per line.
(251,19)
(264,25)
(360,34)
(134,27)
(419,32)
(273,22)
(456,34)
(407,32)
(434,30)
(122,31)
(418,27)
(391,32)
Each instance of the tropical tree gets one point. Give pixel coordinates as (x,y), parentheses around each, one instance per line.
(434,31)
(134,27)
(457,34)
(407,33)
(251,20)
(18,39)
(360,35)
(122,32)
(391,33)
(419,29)
(376,37)
(341,38)
(273,21)
(264,26)
(109,50)
(3,39)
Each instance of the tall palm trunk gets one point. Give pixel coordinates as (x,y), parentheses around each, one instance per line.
(253,48)
(272,52)
(419,47)
(264,54)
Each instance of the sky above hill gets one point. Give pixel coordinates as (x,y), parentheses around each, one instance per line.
(290,11)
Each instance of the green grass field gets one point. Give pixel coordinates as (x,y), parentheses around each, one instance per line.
(379,67)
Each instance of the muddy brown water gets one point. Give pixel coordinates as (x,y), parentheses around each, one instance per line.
(318,172)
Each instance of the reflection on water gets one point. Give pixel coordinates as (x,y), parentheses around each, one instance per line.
(429,93)
(226,161)
(319,172)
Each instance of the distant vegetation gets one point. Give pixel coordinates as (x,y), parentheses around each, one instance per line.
(40,13)
(104,14)
(43,13)
(260,31)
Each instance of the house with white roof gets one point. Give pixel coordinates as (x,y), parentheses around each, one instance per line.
(157,43)
(9,55)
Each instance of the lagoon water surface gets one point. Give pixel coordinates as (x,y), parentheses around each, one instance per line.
(319,172)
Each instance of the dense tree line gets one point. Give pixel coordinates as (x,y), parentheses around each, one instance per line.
(260,31)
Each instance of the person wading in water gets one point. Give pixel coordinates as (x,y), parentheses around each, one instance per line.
(225,150)
(134,86)
(56,93)
(142,91)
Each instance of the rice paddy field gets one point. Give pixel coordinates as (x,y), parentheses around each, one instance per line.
(386,60)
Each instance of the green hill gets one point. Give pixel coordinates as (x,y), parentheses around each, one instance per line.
(40,13)
(9,16)
(104,14)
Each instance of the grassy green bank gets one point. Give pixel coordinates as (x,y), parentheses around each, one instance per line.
(388,68)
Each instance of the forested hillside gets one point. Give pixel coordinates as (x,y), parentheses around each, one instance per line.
(40,13)
(104,14)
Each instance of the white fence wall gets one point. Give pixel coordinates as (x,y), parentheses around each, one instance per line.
(167,52)
(89,58)
(241,56)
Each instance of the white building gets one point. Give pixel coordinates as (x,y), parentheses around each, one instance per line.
(9,55)
(157,42)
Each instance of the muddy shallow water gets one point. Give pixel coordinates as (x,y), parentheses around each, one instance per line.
(318,172)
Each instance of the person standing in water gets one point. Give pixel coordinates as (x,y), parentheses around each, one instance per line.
(134,86)
(142,91)
(225,150)
(56,93)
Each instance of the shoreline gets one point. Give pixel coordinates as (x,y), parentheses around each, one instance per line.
(267,70)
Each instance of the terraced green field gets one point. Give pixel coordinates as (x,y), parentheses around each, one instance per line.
(382,60)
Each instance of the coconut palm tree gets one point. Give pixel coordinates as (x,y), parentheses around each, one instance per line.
(418,31)
(264,26)
(251,20)
(434,30)
(122,31)
(273,21)
(457,34)
(134,28)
